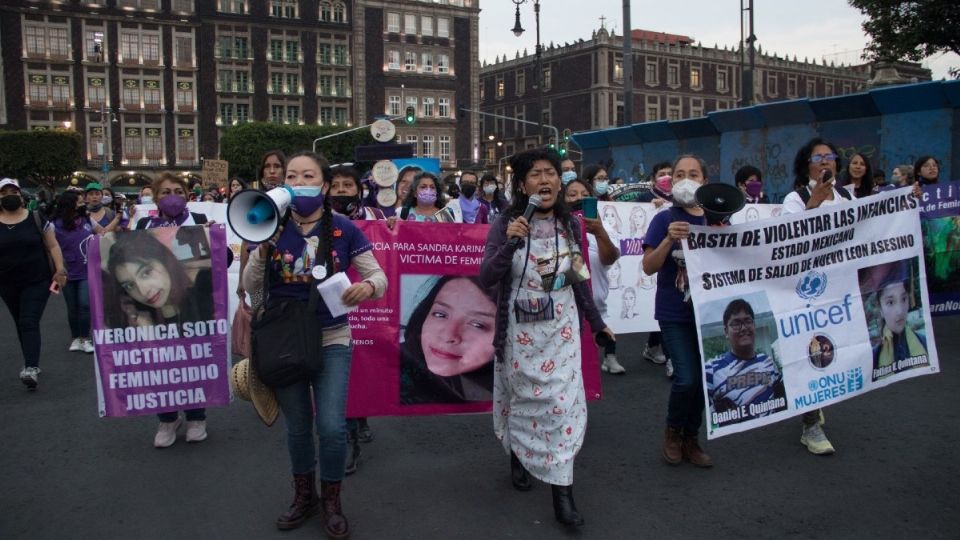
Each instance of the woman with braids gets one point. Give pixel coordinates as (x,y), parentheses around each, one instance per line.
(314,243)
(536,266)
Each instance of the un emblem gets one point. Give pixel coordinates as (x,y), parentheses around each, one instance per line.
(812,285)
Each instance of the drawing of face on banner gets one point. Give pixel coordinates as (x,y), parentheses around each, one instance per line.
(638,222)
(611,219)
(446,349)
(158,277)
(893,306)
(744,377)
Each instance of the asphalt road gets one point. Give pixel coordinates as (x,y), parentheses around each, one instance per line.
(65,473)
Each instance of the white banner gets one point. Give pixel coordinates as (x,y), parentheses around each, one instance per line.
(802,311)
(632,293)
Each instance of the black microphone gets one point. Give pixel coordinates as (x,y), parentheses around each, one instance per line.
(404,212)
(532,205)
(827,176)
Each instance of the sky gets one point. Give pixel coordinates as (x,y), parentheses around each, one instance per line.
(819,29)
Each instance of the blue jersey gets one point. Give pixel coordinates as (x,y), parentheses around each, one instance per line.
(735,383)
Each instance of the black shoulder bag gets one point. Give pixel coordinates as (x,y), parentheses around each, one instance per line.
(285,334)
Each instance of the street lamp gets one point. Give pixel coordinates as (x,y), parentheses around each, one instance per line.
(518,31)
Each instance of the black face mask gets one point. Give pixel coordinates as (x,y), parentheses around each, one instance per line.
(576,205)
(344,204)
(468,190)
(11,202)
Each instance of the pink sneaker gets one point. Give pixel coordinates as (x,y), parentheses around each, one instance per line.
(196,430)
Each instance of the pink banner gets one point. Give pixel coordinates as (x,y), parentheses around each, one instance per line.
(426,347)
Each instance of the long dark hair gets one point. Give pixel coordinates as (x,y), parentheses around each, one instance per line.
(866,183)
(416,378)
(498,202)
(918,164)
(66,210)
(521,164)
(801,162)
(326,221)
(411,200)
(263,163)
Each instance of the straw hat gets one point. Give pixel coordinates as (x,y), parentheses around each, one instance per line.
(248,387)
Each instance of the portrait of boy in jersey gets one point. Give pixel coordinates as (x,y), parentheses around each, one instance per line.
(743,378)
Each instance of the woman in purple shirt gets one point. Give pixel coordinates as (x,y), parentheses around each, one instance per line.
(73,232)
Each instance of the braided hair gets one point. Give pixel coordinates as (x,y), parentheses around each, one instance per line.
(326,219)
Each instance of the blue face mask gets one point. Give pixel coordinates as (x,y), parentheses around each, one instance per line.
(568,176)
(306,191)
(601,187)
(306,200)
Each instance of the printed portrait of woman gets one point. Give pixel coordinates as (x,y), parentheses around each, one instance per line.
(628,309)
(447,349)
(615,275)
(144,283)
(638,222)
(611,219)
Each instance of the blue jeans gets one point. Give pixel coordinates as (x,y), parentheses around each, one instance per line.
(76,294)
(26,306)
(685,408)
(328,390)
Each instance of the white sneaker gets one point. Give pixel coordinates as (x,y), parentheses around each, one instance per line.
(669,367)
(87,345)
(167,433)
(196,430)
(610,365)
(654,354)
(816,440)
(76,345)
(30,376)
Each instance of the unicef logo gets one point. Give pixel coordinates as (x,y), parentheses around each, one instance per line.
(812,285)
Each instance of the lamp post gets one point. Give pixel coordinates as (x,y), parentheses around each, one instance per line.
(518,31)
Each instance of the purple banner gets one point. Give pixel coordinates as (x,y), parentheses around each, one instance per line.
(940,219)
(158,307)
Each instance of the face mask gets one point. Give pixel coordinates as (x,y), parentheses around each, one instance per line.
(684,193)
(106,200)
(467,190)
(665,184)
(754,188)
(146,199)
(568,176)
(306,200)
(172,205)
(11,202)
(427,196)
(601,187)
(95,207)
(489,189)
(576,206)
(345,204)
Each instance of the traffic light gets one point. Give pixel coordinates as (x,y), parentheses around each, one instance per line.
(411,117)
(563,150)
(551,144)
(566,135)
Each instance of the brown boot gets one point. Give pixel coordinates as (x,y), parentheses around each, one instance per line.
(305,502)
(671,446)
(334,522)
(693,453)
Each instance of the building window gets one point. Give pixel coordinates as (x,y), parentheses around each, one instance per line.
(183,51)
(151,48)
(185,96)
(673,112)
(339,12)
(443,63)
(828,89)
(276,49)
(412,102)
(186,145)
(426,62)
(225,79)
(547,79)
(325,85)
(412,139)
(444,141)
(500,87)
(35,40)
(695,81)
(293,114)
(293,51)
(38,90)
(673,75)
(409,61)
(394,106)
(653,113)
(521,82)
(650,75)
(428,103)
(153,144)
(443,108)
(324,53)
(233,6)
(696,108)
(410,23)
(618,68)
(428,146)
(283,8)
(340,116)
(811,88)
(393,23)
(846,88)
(242,81)
(293,83)
(96,92)
(443,27)
(340,55)
(129,47)
(151,94)
(326,11)
(132,144)
(276,114)
(95,45)
(182,6)
(131,94)
(771,84)
(723,80)
(59,41)
(276,83)
(243,113)
(340,85)
(60,90)
(393,59)
(426,25)
(792,86)
(326,116)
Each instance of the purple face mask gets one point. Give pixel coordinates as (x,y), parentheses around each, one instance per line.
(754,188)
(427,196)
(172,205)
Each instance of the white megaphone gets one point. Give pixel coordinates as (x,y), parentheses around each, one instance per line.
(255,215)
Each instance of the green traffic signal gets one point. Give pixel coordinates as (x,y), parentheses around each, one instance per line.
(411,117)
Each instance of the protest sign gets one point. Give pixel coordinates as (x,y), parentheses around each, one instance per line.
(158,306)
(805,310)
(940,218)
(402,363)
(632,292)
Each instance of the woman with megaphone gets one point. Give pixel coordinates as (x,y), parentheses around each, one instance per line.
(312,244)
(662,255)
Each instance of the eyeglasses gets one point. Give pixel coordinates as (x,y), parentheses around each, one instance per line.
(739,324)
(601,177)
(820,158)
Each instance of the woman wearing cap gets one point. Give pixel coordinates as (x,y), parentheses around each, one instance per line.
(98,211)
(539,407)
(295,261)
(673,310)
(28,249)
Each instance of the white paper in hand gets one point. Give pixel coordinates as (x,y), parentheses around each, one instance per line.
(332,291)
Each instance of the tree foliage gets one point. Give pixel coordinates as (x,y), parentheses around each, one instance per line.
(47,158)
(910,30)
(244,145)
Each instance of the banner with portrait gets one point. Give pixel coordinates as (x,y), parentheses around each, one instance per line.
(632,293)
(158,307)
(802,311)
(940,219)
(426,347)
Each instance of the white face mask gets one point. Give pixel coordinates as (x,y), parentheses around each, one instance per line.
(685,192)
(489,189)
